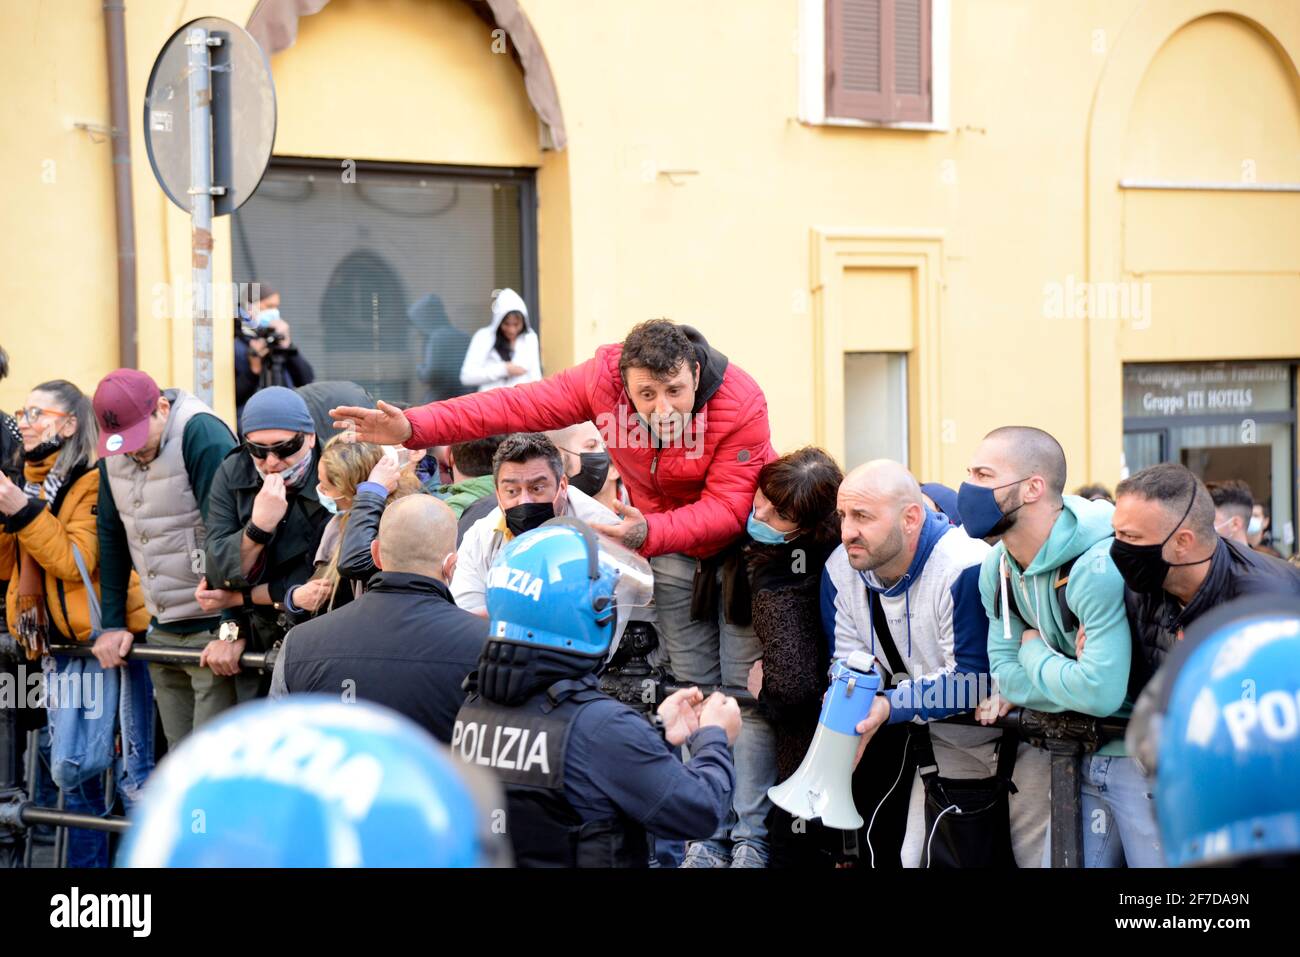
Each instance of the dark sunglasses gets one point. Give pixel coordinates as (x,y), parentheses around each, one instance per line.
(281,450)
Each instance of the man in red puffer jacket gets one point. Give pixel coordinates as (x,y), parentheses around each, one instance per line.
(688,432)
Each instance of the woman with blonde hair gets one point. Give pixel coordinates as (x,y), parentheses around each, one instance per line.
(355,480)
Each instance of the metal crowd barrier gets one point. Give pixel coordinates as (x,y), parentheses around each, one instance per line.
(1066,737)
(19,811)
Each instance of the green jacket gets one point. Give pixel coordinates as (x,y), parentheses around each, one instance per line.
(1045,675)
(462,495)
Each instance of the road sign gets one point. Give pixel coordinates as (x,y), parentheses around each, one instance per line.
(209,127)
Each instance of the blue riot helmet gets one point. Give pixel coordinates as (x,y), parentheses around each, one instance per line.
(311,781)
(1225,732)
(561,586)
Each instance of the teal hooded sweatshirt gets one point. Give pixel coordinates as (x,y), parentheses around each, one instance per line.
(1044,674)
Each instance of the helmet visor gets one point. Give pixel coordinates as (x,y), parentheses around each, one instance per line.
(633,588)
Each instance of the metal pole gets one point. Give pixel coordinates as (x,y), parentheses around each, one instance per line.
(33,769)
(32,816)
(17,814)
(200,93)
(261,661)
(1066,825)
(120,137)
(11,842)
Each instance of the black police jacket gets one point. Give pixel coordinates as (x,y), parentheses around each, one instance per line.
(525,746)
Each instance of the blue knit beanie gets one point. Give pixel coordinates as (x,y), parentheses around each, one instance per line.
(276,408)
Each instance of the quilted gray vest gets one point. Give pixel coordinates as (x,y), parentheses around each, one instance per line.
(164,527)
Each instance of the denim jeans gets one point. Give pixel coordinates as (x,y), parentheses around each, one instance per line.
(1119,814)
(84,848)
(710,653)
(113,701)
(1119,820)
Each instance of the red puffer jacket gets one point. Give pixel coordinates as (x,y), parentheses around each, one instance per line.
(696,493)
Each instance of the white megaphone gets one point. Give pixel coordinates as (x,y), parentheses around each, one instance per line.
(823,785)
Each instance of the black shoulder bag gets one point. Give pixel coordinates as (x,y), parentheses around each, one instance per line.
(967,821)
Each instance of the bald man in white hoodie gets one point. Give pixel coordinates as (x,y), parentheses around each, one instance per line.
(904,586)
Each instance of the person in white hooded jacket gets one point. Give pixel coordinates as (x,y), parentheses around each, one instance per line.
(505,352)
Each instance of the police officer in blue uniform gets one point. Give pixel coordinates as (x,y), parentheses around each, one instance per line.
(585,776)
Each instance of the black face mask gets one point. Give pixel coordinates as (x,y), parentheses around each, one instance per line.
(1143,567)
(595,469)
(529,515)
(44,450)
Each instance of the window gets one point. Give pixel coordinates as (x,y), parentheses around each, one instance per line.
(1223,420)
(875,407)
(385,276)
(878,60)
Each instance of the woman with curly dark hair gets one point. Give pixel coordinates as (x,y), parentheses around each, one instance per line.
(792,528)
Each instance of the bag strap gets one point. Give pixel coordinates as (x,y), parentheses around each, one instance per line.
(924,750)
(884,635)
(92,598)
(1069,620)
(1008,746)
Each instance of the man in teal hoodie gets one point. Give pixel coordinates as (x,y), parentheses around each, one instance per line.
(1051,547)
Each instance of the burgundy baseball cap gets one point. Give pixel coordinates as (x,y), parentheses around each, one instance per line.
(123,403)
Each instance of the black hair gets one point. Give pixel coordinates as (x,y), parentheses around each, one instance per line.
(802,486)
(659,346)
(503,346)
(1232,495)
(519,447)
(1173,486)
(1035,452)
(1094,492)
(474,458)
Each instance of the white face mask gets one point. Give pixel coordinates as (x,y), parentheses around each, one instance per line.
(1256,525)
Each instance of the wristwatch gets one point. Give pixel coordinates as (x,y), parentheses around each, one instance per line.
(229,631)
(258,536)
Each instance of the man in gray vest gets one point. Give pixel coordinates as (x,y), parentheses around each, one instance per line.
(158,454)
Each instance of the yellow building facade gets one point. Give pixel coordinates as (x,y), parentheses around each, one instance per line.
(1097,232)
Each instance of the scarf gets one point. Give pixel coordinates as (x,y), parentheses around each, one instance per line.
(33,624)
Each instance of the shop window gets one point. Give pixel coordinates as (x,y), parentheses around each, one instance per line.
(1223,420)
(386,270)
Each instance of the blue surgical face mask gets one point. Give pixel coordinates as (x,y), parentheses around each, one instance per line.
(985,517)
(762,532)
(1256,525)
(328,503)
(268,316)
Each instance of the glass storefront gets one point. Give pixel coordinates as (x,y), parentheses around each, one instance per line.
(385,276)
(1222,420)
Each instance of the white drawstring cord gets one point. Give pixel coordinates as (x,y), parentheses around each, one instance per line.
(930,843)
(1006,606)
